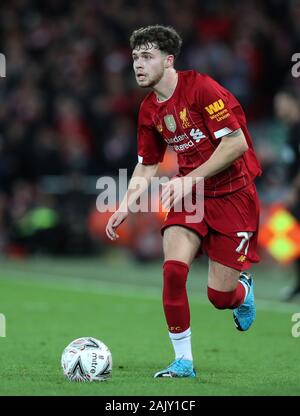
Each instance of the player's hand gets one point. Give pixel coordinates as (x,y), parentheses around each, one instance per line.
(113,223)
(174,191)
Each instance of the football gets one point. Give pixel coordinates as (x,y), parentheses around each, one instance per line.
(86,359)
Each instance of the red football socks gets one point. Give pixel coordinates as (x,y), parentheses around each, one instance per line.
(175,300)
(227,300)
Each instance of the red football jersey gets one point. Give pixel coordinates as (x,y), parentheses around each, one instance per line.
(193,121)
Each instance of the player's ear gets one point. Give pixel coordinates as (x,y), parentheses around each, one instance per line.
(169,61)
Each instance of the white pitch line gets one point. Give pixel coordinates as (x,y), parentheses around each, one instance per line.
(79,284)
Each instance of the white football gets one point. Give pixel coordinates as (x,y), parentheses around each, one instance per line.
(86,359)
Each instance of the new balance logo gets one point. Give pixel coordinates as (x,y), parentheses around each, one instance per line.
(197,135)
(241,259)
(215,107)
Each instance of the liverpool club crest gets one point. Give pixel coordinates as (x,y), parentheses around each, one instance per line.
(184,118)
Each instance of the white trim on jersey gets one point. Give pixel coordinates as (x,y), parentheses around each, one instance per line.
(222,132)
(140,159)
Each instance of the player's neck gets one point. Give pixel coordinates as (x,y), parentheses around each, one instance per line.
(165,88)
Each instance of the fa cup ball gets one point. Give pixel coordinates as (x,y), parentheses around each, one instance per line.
(86,359)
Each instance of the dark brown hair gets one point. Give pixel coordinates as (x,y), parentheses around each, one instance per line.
(164,37)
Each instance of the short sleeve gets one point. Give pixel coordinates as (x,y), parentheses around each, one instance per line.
(151,146)
(217,105)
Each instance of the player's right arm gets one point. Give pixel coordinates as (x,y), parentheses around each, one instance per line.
(139,182)
(151,150)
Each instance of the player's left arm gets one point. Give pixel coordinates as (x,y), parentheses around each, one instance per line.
(216,105)
(231,147)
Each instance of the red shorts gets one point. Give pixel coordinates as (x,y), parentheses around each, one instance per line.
(228,229)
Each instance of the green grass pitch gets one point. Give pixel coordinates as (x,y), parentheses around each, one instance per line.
(49,302)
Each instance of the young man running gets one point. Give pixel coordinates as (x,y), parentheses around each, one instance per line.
(206,126)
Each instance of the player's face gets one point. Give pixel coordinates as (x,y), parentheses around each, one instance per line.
(148,65)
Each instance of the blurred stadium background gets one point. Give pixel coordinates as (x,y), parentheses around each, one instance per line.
(70,102)
(68,116)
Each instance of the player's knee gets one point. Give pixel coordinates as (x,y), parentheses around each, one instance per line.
(175,276)
(220,300)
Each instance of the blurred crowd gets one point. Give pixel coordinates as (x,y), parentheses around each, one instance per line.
(69,102)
